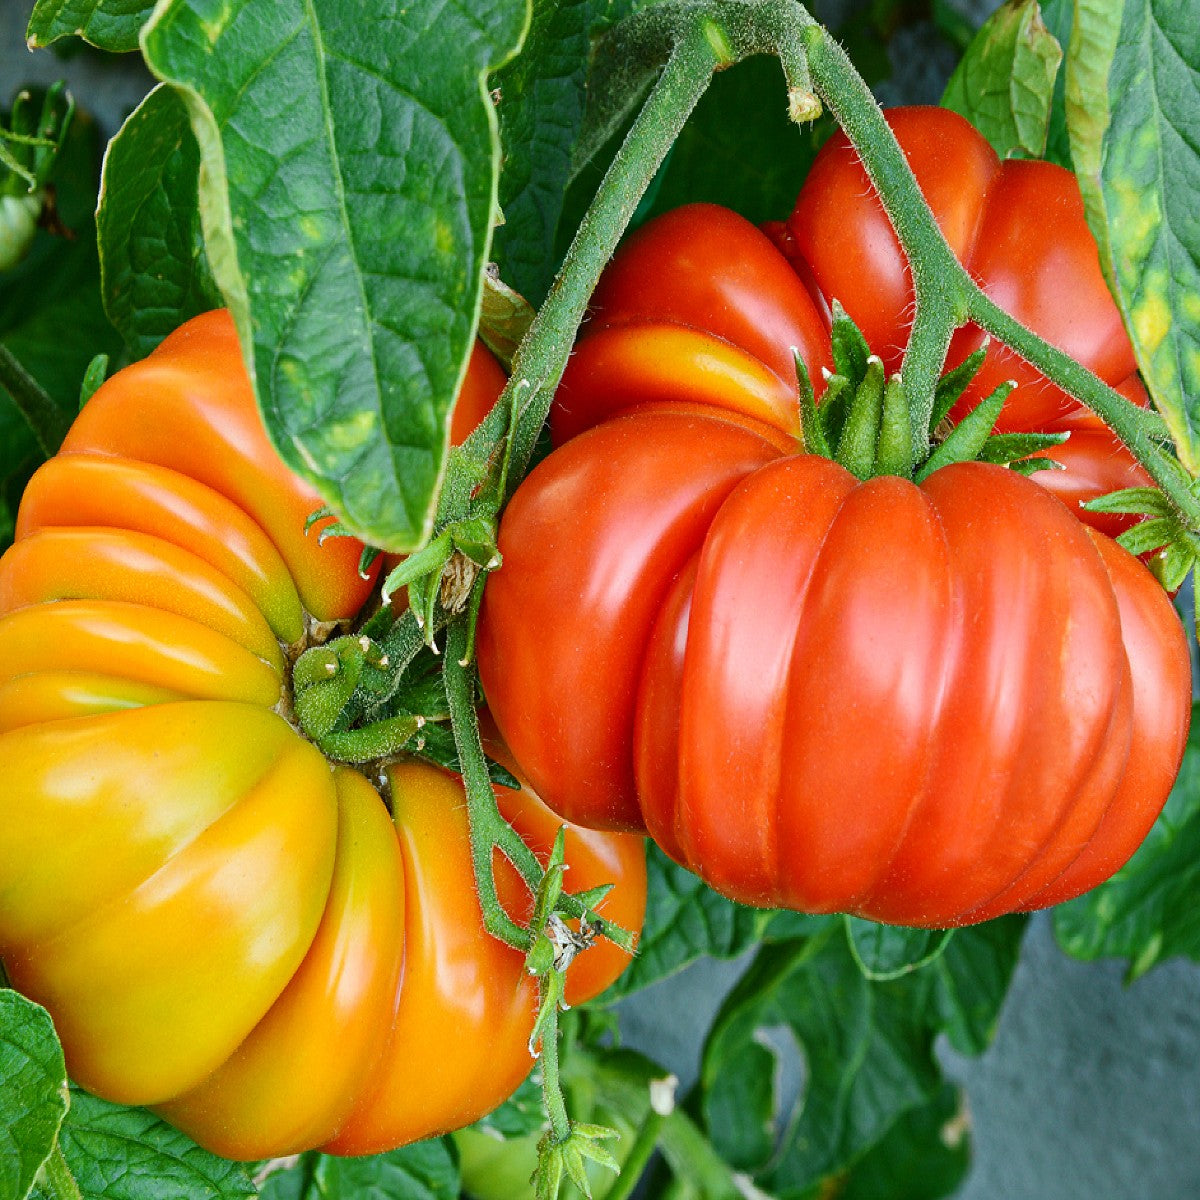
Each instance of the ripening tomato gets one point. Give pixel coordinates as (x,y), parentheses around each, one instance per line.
(223,925)
(925,705)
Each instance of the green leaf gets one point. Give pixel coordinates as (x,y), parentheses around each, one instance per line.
(863,1049)
(685,920)
(889,951)
(1058,16)
(542,94)
(1147,912)
(1131,89)
(424,1171)
(153,270)
(33,1100)
(520,1115)
(118,1153)
(924,1156)
(348,163)
(109,24)
(1004,84)
(972,979)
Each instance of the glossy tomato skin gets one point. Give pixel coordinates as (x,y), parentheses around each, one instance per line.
(916,704)
(605,552)
(1019,228)
(697,307)
(207,907)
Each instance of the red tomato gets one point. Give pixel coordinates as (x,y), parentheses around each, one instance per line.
(698,307)
(924,705)
(209,909)
(1019,228)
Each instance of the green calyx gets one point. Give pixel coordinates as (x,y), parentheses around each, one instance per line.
(864,421)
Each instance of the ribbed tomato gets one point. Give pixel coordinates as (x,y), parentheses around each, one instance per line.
(926,705)
(223,925)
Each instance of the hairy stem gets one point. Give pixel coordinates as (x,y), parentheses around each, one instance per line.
(488,829)
(552,1092)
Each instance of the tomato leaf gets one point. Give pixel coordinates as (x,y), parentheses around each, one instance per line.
(924,1156)
(1058,16)
(348,166)
(424,1171)
(542,94)
(1147,912)
(118,1153)
(889,951)
(521,1114)
(153,268)
(685,920)
(109,24)
(1131,90)
(806,1045)
(33,1100)
(1004,84)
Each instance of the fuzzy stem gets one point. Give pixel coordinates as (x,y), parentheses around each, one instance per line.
(488,829)
(540,359)
(552,1092)
(1126,419)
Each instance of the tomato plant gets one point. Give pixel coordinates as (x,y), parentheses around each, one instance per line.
(370,191)
(203,904)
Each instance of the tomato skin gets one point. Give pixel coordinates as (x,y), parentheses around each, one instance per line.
(210,909)
(697,306)
(634,523)
(915,704)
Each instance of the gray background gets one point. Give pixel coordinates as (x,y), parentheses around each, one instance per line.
(1091,1090)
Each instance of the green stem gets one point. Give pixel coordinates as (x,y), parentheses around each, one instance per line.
(1126,419)
(488,829)
(539,362)
(57,1179)
(639,1155)
(941,286)
(552,1092)
(48,422)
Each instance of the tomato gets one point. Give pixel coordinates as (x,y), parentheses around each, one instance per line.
(1019,228)
(698,308)
(209,909)
(925,705)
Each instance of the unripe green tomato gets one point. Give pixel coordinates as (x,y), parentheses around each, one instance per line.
(18,223)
